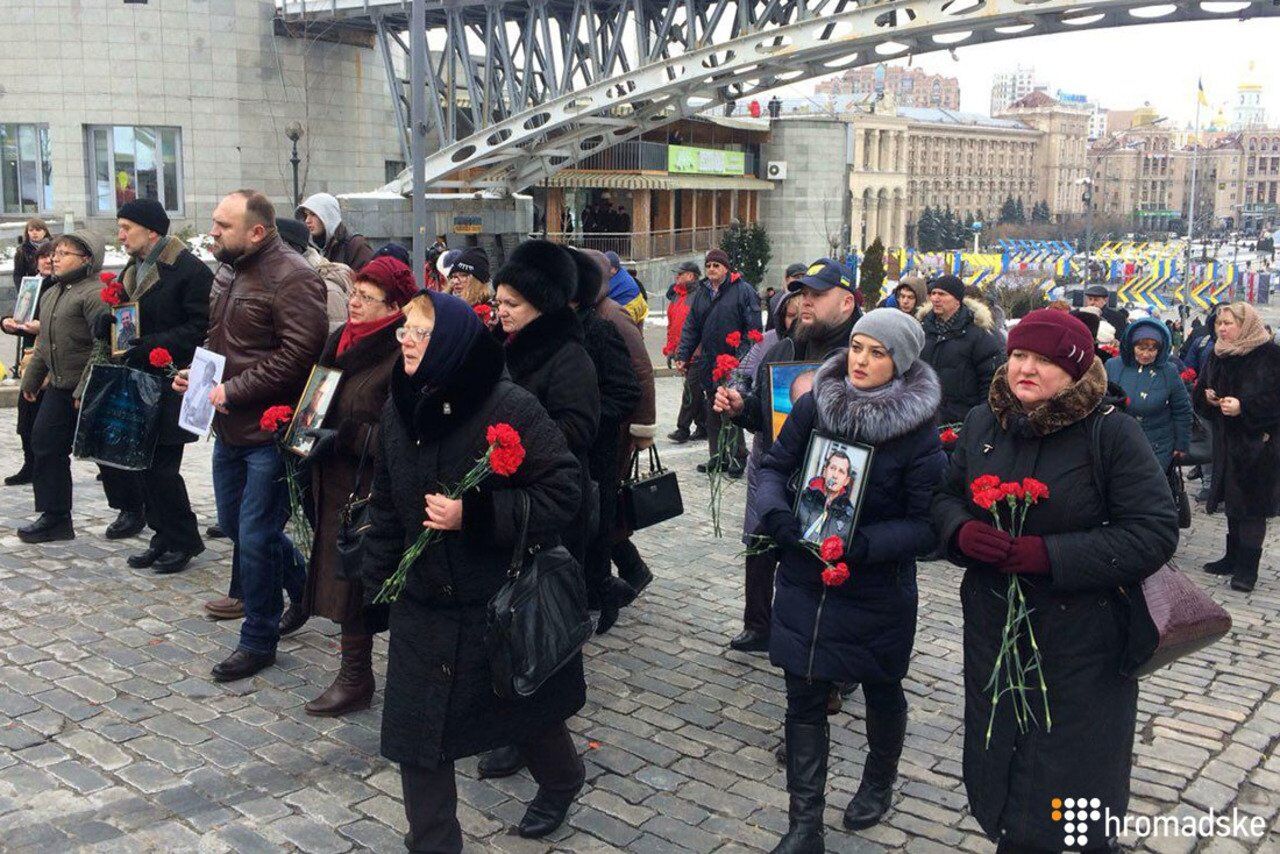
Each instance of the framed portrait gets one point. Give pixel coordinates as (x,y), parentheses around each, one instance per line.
(28,301)
(832,484)
(127,328)
(788,382)
(196,414)
(317,397)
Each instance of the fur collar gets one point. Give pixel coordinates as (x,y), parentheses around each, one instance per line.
(982,317)
(365,353)
(879,415)
(532,346)
(1072,404)
(430,415)
(167,258)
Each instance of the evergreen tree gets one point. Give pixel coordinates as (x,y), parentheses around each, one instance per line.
(748,250)
(1019,214)
(1008,211)
(871,273)
(927,230)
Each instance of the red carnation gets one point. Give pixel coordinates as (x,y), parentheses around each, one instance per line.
(106,278)
(725,365)
(754,336)
(503,435)
(949,436)
(987,498)
(506,451)
(1034,490)
(734,339)
(484,311)
(113,294)
(832,549)
(1013,491)
(274,418)
(160,358)
(1188,376)
(834,576)
(983,483)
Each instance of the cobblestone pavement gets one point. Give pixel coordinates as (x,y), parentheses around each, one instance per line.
(115,739)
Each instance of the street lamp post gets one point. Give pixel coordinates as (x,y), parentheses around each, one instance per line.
(294,133)
(1087,198)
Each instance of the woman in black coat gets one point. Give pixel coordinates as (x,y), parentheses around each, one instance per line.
(1080,560)
(1238,391)
(26,333)
(440,704)
(877,393)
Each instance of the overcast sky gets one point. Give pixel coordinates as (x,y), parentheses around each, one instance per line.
(1123,67)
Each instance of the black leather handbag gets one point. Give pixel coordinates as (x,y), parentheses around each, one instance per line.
(1200,451)
(538,621)
(650,498)
(1180,501)
(353,521)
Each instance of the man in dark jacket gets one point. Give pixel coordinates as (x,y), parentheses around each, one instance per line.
(267,318)
(961,346)
(1098,296)
(323,217)
(828,312)
(722,303)
(171,287)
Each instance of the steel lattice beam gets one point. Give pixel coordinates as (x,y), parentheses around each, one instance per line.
(517,91)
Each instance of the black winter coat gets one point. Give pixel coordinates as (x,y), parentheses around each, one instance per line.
(1097,545)
(865,629)
(735,307)
(619,394)
(173,312)
(24,261)
(548,358)
(1246,447)
(965,357)
(440,704)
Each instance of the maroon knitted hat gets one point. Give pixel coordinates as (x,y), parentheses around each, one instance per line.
(717,255)
(1056,335)
(392,276)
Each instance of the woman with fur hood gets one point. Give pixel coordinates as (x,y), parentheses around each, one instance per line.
(961,345)
(879,393)
(1238,391)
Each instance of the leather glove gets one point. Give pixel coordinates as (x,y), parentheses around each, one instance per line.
(1029,556)
(326,442)
(982,542)
(782,527)
(102,327)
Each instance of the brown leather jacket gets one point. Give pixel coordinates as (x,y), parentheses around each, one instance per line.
(267,316)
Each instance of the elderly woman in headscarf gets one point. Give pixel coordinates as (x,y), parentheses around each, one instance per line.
(1238,391)
(364,349)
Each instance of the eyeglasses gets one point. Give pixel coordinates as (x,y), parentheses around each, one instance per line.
(419,333)
(63,253)
(364,299)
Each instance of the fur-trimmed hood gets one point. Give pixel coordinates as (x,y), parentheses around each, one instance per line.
(982,316)
(881,414)
(1072,404)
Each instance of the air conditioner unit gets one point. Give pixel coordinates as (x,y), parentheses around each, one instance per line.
(776,170)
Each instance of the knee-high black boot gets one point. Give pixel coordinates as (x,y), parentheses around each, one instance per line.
(1246,569)
(885,734)
(1226,565)
(807,786)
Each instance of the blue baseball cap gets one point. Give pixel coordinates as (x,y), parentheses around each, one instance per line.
(823,275)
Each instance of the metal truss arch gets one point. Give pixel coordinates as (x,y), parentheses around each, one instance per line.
(517,91)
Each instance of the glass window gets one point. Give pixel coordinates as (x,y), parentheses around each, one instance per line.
(135,162)
(26,169)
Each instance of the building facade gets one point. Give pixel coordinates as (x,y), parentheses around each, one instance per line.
(909,86)
(1062,153)
(182,103)
(1009,86)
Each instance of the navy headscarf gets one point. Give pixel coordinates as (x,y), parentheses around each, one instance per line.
(456,331)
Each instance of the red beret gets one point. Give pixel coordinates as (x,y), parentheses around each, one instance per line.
(1056,335)
(392,276)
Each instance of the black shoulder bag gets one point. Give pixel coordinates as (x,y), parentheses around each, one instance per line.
(353,521)
(537,621)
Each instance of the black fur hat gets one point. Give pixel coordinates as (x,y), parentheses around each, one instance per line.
(590,278)
(542,272)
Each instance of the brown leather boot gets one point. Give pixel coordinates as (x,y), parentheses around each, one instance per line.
(352,689)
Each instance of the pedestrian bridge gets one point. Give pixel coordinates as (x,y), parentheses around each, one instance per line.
(516,91)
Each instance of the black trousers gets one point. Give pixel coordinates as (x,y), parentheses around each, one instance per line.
(431,794)
(1251,532)
(27,411)
(693,409)
(52,435)
(757,609)
(807,700)
(168,507)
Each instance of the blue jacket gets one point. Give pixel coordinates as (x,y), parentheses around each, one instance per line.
(622,287)
(1158,397)
(865,628)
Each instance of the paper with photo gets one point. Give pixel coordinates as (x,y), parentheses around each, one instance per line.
(196,414)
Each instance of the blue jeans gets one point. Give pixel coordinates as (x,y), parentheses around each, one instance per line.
(253,506)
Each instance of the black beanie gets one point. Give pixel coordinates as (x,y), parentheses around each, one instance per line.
(474,262)
(294,232)
(590,279)
(542,272)
(951,284)
(147,213)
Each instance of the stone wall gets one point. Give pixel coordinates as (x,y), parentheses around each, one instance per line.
(807,210)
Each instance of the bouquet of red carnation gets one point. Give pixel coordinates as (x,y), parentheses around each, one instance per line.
(503,456)
(727,438)
(484,311)
(830,553)
(276,420)
(161,358)
(1016,661)
(112,292)
(1188,376)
